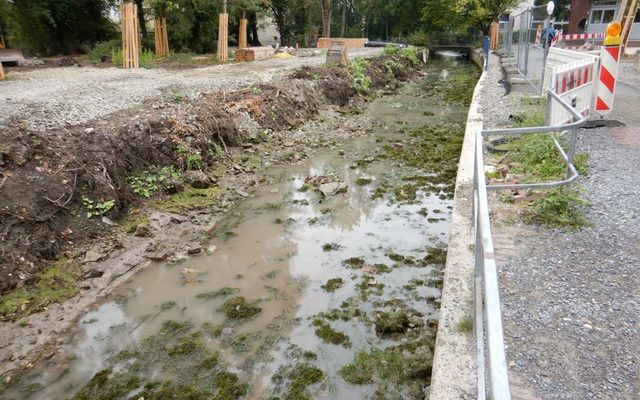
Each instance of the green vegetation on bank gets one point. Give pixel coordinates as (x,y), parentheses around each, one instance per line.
(535,158)
(55,284)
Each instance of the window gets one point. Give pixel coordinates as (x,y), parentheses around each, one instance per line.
(605,2)
(608,16)
(596,16)
(637,18)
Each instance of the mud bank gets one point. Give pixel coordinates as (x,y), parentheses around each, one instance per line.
(323,281)
(75,219)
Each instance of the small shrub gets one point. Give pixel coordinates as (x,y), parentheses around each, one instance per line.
(561,207)
(146,184)
(97,208)
(361,82)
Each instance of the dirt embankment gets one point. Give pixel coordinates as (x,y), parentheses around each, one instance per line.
(78,206)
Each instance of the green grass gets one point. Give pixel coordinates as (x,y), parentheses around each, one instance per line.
(55,284)
(465,325)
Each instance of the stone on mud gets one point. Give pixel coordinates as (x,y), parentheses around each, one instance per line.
(143,230)
(332,188)
(198,179)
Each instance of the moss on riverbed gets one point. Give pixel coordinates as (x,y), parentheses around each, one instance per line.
(53,285)
(238,308)
(330,335)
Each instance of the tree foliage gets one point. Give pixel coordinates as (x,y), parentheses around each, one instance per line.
(57,26)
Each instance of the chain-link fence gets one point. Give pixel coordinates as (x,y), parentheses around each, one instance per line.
(523,38)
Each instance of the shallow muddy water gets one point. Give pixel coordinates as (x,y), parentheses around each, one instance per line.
(378,242)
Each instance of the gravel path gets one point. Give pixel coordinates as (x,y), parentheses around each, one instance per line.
(56,97)
(571,300)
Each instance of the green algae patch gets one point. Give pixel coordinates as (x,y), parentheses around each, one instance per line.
(187,346)
(229,386)
(300,378)
(436,256)
(363,181)
(331,247)
(397,372)
(238,308)
(354,262)
(330,335)
(106,385)
(333,284)
(223,292)
(434,149)
(190,199)
(391,323)
(55,284)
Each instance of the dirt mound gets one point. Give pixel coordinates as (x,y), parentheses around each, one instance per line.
(61,188)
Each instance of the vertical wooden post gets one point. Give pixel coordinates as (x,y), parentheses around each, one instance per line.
(162,37)
(223,37)
(1,72)
(242,37)
(130,36)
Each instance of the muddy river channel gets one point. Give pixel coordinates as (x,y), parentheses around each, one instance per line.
(301,294)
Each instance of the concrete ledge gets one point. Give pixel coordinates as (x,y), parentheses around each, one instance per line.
(454,364)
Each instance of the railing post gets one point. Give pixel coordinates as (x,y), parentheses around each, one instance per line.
(526,49)
(573,136)
(485,45)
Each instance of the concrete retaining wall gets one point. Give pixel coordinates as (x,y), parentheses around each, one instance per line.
(454,364)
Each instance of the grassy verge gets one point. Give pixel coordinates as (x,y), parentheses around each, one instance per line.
(535,158)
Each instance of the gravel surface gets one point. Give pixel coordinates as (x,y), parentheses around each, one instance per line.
(56,97)
(571,300)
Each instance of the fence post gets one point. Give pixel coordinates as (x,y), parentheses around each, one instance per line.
(486,44)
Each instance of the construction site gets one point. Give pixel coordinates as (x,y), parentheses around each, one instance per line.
(215,201)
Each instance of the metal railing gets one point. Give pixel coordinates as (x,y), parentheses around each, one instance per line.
(491,357)
(520,44)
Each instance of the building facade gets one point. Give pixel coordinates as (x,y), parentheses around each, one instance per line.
(593,16)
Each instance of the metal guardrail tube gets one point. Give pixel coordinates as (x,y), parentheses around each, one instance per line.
(490,351)
(497,361)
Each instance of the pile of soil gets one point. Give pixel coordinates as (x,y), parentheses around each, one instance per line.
(50,180)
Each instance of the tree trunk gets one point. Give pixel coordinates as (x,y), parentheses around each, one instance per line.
(253,30)
(327,9)
(143,26)
(343,28)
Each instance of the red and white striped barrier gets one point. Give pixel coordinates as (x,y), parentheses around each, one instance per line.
(574,78)
(574,82)
(609,61)
(579,36)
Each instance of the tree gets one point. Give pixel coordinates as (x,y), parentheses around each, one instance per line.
(48,27)
(326,7)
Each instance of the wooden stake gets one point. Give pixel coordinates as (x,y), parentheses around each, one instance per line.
(242,37)
(162,39)
(223,36)
(130,36)
(1,72)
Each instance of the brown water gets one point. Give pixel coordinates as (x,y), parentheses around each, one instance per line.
(271,250)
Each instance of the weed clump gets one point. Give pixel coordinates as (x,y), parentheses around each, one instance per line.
(465,325)
(561,208)
(329,335)
(190,199)
(333,284)
(238,308)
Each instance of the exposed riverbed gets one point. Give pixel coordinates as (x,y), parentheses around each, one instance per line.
(300,294)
